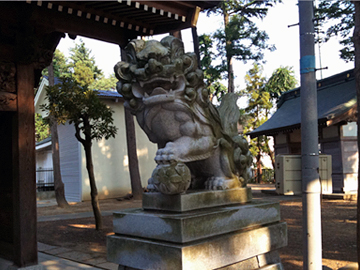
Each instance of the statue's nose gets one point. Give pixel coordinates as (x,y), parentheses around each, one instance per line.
(153,67)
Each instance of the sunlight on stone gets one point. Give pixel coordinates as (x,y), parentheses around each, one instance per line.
(47,263)
(265,239)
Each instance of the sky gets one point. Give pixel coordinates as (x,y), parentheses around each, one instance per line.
(285,39)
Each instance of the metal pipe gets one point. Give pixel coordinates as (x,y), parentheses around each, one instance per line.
(311,187)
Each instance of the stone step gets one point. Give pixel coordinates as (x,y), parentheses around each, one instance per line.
(193,200)
(210,253)
(194,225)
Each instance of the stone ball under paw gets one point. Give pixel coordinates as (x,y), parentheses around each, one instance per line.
(171,178)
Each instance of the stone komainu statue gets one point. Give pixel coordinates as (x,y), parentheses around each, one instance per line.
(198,145)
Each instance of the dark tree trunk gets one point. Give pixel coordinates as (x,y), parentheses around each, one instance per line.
(196,44)
(93,189)
(357,79)
(90,168)
(231,85)
(58,183)
(258,169)
(229,60)
(136,186)
(135,180)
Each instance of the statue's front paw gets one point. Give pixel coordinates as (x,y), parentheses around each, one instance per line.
(151,186)
(220,183)
(167,155)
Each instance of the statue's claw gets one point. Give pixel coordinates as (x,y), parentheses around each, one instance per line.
(166,155)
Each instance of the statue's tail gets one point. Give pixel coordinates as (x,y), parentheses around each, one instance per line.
(229,114)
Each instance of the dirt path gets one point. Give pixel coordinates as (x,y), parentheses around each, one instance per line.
(338,230)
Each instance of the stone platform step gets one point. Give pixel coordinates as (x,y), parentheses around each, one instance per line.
(211,253)
(194,200)
(194,225)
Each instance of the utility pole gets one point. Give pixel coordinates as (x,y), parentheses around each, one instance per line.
(311,187)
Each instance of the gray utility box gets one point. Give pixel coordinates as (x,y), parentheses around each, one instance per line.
(288,174)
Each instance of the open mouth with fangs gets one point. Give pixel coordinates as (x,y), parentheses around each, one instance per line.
(158,90)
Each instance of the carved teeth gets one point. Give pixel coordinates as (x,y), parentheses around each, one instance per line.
(141,83)
(146,95)
(171,79)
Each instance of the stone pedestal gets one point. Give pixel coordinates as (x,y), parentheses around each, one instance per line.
(198,230)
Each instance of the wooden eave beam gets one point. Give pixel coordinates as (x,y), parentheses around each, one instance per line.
(73,24)
(136,15)
(110,15)
(175,7)
(351,114)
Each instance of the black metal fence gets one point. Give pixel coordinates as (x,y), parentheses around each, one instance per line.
(44,179)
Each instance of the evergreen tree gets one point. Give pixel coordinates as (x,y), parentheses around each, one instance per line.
(282,80)
(257,111)
(240,38)
(80,56)
(59,63)
(212,74)
(339,17)
(105,83)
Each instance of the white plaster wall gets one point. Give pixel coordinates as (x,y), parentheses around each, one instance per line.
(69,149)
(111,160)
(40,97)
(44,159)
(349,130)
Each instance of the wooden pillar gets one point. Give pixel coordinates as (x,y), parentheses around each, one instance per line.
(18,217)
(24,181)
(8,107)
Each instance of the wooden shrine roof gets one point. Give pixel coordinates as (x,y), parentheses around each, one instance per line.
(109,21)
(336,99)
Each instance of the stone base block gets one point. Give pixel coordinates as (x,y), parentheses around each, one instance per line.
(8,265)
(211,253)
(193,200)
(268,261)
(194,225)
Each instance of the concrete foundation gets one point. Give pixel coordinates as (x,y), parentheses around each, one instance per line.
(8,265)
(233,236)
